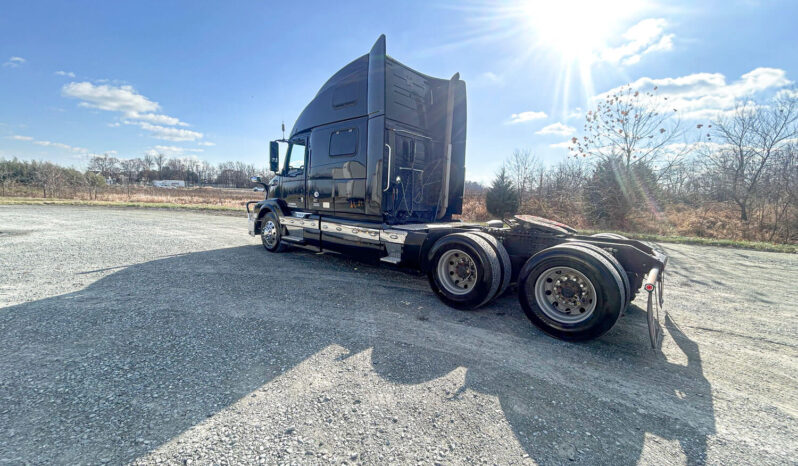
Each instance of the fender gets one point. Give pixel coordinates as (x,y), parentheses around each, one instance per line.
(267,205)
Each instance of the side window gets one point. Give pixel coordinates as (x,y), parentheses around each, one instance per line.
(343,142)
(296,158)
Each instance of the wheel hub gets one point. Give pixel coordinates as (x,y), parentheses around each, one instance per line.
(457,272)
(270,233)
(462,268)
(569,290)
(565,295)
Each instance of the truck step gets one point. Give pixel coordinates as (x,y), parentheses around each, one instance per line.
(293,239)
(391,259)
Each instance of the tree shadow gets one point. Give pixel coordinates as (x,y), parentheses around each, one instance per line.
(111,372)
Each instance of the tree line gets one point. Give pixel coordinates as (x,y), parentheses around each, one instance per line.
(53,180)
(637,167)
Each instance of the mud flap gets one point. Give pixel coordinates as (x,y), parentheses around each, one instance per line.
(654,286)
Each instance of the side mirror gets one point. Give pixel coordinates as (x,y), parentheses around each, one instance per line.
(259,180)
(274,156)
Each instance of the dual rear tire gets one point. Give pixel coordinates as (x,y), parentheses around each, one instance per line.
(573,291)
(468,270)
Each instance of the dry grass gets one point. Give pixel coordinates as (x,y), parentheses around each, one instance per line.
(713,224)
(231,198)
(149,205)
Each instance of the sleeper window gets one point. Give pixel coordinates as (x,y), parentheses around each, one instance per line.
(343,142)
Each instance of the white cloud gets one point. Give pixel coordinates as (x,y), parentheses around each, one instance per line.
(14,62)
(527,116)
(575,113)
(487,79)
(170,151)
(493,77)
(112,98)
(68,74)
(558,129)
(156,118)
(701,96)
(561,145)
(135,108)
(43,143)
(643,38)
(206,143)
(170,134)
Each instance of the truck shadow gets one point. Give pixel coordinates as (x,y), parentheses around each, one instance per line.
(113,371)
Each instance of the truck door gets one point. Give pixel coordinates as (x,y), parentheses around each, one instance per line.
(320,187)
(293,181)
(348,151)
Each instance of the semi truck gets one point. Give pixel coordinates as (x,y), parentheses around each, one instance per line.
(375,167)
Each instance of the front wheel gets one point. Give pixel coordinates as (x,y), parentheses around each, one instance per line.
(271,233)
(571,293)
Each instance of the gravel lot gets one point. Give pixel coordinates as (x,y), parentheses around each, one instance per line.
(152,336)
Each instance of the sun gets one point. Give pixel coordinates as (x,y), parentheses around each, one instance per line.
(564,41)
(576,30)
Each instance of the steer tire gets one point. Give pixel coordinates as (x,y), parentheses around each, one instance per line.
(504,260)
(538,279)
(464,271)
(275,243)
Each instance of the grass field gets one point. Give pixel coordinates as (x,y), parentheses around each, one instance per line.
(133,204)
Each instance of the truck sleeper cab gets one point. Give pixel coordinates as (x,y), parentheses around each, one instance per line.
(375,166)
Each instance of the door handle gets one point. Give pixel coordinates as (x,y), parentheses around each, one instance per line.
(389,169)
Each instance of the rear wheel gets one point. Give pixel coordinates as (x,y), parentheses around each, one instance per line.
(571,292)
(271,233)
(617,265)
(464,271)
(504,261)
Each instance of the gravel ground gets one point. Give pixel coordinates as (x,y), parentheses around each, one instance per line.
(153,336)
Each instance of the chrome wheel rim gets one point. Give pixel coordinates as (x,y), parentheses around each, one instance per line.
(457,272)
(565,295)
(269,234)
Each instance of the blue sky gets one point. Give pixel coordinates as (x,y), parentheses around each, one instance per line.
(214,80)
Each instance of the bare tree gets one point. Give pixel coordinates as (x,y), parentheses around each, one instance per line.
(634,126)
(521,168)
(749,140)
(105,165)
(5,175)
(159,160)
(93,182)
(130,170)
(148,161)
(50,178)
